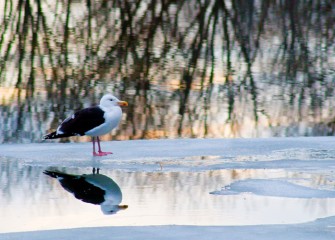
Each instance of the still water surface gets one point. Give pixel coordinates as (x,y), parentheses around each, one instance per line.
(31,200)
(187,68)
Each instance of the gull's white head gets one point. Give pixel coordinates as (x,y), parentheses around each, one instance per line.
(108,101)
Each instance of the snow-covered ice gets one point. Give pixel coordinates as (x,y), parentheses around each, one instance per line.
(319,230)
(183,154)
(273,188)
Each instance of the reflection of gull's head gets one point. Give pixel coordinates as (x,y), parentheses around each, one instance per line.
(92,188)
(109,209)
(112,192)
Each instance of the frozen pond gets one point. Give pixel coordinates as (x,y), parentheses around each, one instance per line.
(241,182)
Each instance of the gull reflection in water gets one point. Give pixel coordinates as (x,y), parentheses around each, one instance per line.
(92,188)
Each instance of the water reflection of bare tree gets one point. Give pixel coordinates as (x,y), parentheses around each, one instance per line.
(188,68)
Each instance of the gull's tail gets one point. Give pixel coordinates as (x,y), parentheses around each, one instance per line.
(56,174)
(54,135)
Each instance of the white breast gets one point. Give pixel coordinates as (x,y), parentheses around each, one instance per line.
(112,118)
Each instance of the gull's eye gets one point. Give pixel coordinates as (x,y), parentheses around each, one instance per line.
(111,100)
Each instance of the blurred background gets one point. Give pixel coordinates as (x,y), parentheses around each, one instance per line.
(188,68)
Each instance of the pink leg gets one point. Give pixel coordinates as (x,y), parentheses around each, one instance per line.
(93,142)
(105,153)
(100,153)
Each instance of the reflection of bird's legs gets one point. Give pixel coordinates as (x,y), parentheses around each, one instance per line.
(101,152)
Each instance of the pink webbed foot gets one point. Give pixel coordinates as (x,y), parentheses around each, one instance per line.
(99,154)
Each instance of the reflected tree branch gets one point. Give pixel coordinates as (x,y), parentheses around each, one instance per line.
(184,54)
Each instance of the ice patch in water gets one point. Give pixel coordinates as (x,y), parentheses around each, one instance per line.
(290,154)
(274,188)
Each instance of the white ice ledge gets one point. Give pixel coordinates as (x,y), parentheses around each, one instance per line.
(182,154)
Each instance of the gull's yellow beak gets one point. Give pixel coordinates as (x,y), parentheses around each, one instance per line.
(123,104)
(122,207)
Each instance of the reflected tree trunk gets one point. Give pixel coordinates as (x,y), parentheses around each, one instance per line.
(191,56)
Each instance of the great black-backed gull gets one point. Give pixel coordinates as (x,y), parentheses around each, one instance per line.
(93,121)
(93,188)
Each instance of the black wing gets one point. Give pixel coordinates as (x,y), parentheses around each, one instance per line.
(79,187)
(83,190)
(83,121)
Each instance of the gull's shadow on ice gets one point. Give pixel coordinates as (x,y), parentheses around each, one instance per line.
(273,188)
(92,188)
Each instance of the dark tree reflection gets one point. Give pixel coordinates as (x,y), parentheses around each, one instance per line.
(188,68)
